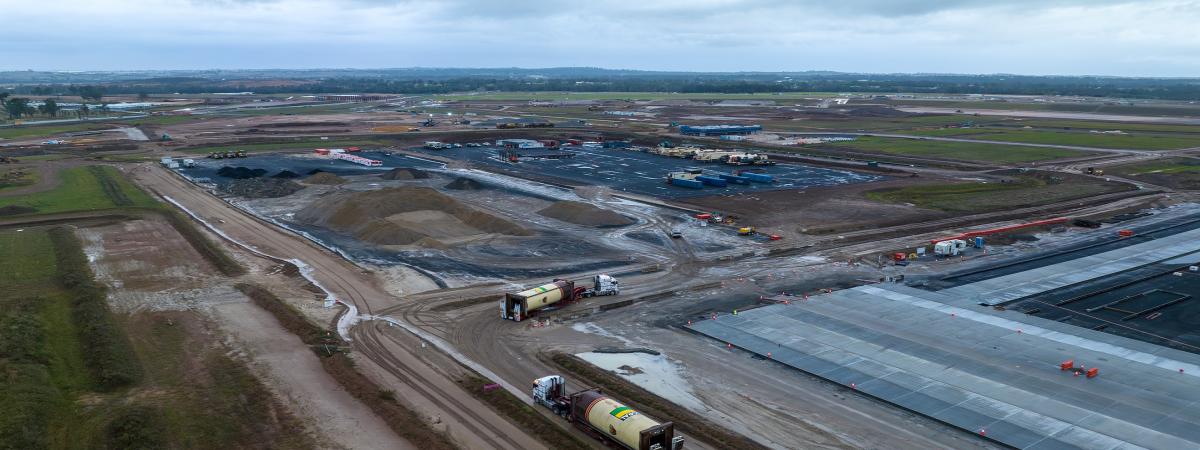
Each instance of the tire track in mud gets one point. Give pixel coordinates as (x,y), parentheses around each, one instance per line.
(368,337)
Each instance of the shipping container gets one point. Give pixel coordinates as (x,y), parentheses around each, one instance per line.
(734,179)
(757,177)
(683,182)
(712,181)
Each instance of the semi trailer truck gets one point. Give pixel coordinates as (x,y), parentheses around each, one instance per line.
(520,305)
(605,418)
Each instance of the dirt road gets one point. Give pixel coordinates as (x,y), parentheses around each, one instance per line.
(297,376)
(350,284)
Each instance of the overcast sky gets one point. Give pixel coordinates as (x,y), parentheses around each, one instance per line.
(1099,37)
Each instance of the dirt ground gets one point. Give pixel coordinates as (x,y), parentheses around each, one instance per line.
(819,210)
(351,284)
(150,268)
(295,373)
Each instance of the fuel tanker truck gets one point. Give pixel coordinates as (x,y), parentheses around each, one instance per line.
(521,305)
(601,416)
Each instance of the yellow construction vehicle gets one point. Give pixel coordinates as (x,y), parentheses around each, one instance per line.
(746,231)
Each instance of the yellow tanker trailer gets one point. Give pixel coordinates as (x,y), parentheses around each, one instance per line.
(518,306)
(604,417)
(521,305)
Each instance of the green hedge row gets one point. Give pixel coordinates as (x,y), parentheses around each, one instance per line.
(27,395)
(136,428)
(107,353)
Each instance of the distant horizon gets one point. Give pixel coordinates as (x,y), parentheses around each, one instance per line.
(598,68)
(1102,38)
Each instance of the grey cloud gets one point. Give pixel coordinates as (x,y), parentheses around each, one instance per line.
(1020,36)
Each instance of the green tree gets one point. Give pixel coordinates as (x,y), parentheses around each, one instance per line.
(17,107)
(50,107)
(83,111)
(142,96)
(93,93)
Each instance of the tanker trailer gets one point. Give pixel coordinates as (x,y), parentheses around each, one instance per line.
(604,417)
(520,305)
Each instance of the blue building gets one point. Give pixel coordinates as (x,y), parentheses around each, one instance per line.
(719,130)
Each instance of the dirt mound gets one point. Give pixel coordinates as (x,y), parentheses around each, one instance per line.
(324,178)
(404,216)
(286,174)
(240,173)
(584,214)
(464,184)
(12,210)
(876,111)
(405,173)
(263,187)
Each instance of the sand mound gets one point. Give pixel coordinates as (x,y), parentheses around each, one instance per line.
(263,187)
(404,216)
(324,178)
(405,173)
(464,184)
(584,214)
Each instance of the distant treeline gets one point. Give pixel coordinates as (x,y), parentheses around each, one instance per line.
(441,81)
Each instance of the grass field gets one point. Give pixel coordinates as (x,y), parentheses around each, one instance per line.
(166,120)
(15,179)
(305,144)
(1177,173)
(84,189)
(28,261)
(1022,191)
(295,110)
(1139,141)
(1085,125)
(1175,109)
(26,131)
(877,124)
(964,151)
(550,96)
